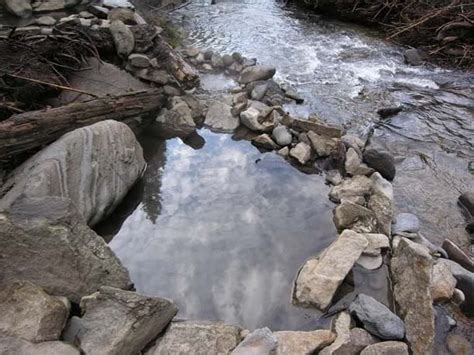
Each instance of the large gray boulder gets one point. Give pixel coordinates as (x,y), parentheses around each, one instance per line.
(94,166)
(411,271)
(20,8)
(219,118)
(320,278)
(123,38)
(377,318)
(255,73)
(27,312)
(303,343)
(46,241)
(189,337)
(15,346)
(117,322)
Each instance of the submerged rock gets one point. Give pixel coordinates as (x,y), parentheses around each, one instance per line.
(192,337)
(11,345)
(381,161)
(411,269)
(387,348)
(255,73)
(301,152)
(219,117)
(94,166)
(319,279)
(376,318)
(120,322)
(259,342)
(302,343)
(27,312)
(46,241)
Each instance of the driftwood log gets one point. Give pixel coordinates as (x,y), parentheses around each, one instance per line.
(31,130)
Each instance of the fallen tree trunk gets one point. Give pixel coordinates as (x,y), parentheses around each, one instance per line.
(30,130)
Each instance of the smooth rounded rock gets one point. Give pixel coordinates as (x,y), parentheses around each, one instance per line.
(282,135)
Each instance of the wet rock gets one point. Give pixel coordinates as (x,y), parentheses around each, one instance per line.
(20,8)
(467,201)
(458,345)
(443,283)
(318,127)
(227,60)
(219,117)
(349,215)
(370,262)
(358,186)
(27,312)
(121,322)
(104,157)
(319,279)
(301,152)
(257,72)
(265,141)
(171,90)
(284,152)
(16,346)
(411,270)
(341,326)
(302,343)
(376,318)
(139,60)
(381,203)
(197,338)
(259,342)
(456,254)
(387,112)
(54,5)
(46,241)
(293,95)
(208,53)
(123,38)
(175,122)
(282,135)
(45,21)
(250,119)
(386,348)
(259,92)
(354,165)
(333,177)
(216,61)
(358,340)
(127,16)
(413,57)
(381,161)
(322,145)
(237,57)
(405,222)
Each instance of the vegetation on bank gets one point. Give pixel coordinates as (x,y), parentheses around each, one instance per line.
(442,29)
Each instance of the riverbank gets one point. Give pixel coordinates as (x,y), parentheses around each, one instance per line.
(441,32)
(50,254)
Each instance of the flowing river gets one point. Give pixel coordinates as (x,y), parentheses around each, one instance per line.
(222,229)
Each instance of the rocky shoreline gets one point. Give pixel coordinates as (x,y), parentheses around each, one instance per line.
(65,292)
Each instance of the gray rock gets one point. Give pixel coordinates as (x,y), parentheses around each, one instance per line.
(237,109)
(86,14)
(127,16)
(121,322)
(282,135)
(318,127)
(259,342)
(301,152)
(240,97)
(411,271)
(333,177)
(413,57)
(358,340)
(458,345)
(191,337)
(20,8)
(159,77)
(99,11)
(227,60)
(370,262)
(250,119)
(237,57)
(265,141)
(139,60)
(104,157)
(354,142)
(319,279)
(171,90)
(292,94)
(341,325)
(45,21)
(443,283)
(456,254)
(284,152)
(46,241)
(255,73)
(376,243)
(358,186)
(16,346)
(381,161)
(465,281)
(219,117)
(386,348)
(322,145)
(27,312)
(123,38)
(381,203)
(259,92)
(175,122)
(354,165)
(405,222)
(303,343)
(467,201)
(350,215)
(216,61)
(458,297)
(376,318)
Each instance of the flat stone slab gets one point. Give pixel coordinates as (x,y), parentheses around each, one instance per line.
(319,279)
